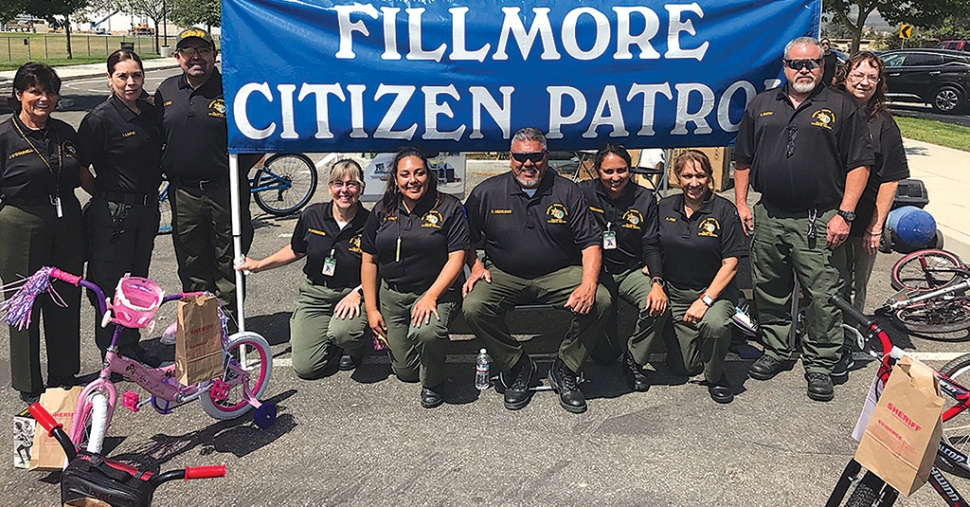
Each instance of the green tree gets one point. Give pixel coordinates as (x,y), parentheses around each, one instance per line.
(58,13)
(10,9)
(186,13)
(923,13)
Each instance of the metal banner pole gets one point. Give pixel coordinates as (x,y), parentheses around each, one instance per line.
(235,206)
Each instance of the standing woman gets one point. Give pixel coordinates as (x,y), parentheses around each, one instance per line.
(40,225)
(863,76)
(701,240)
(327,320)
(632,268)
(121,140)
(415,239)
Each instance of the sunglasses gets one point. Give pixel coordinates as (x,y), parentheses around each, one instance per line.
(191,52)
(534,157)
(803,64)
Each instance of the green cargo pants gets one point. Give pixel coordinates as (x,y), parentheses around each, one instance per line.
(121,238)
(781,246)
(486,305)
(417,353)
(631,286)
(692,347)
(314,330)
(33,237)
(202,236)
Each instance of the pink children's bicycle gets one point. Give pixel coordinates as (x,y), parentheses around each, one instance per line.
(247,361)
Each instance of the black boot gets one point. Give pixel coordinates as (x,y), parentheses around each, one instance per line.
(635,376)
(563,381)
(517,382)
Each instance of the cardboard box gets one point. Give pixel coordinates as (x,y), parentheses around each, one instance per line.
(23,439)
(720,163)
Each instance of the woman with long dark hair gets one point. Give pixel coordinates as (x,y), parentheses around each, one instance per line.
(414,241)
(120,139)
(40,225)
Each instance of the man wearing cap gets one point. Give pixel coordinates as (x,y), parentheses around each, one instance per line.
(805,148)
(541,246)
(196,161)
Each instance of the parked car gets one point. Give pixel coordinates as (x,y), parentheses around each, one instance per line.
(939,77)
(956,45)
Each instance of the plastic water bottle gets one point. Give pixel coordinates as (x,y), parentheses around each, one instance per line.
(481,370)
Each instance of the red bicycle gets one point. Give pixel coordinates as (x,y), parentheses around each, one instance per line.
(869,489)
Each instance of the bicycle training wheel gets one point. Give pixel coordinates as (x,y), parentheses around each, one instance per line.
(254,373)
(285,184)
(910,272)
(164,210)
(89,435)
(956,431)
(936,317)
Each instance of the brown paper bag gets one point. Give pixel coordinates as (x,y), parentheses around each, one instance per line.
(900,441)
(198,341)
(46,453)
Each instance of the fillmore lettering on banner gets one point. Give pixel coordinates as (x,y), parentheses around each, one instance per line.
(324,75)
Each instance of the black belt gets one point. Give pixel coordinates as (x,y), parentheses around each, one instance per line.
(409,289)
(33,200)
(203,185)
(329,284)
(130,199)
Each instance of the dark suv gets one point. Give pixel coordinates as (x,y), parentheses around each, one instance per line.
(938,77)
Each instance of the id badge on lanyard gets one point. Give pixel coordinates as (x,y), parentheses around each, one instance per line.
(609,238)
(329,264)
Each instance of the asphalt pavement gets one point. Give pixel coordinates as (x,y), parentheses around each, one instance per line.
(361,438)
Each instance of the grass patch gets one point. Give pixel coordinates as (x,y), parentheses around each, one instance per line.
(935,132)
(52,48)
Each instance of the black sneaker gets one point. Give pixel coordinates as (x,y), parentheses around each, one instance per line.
(635,376)
(820,386)
(29,397)
(765,368)
(564,382)
(349,362)
(431,396)
(844,365)
(517,392)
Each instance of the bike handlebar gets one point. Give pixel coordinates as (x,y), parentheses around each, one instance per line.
(54,429)
(205,472)
(851,311)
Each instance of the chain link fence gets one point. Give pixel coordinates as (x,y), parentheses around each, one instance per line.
(21,48)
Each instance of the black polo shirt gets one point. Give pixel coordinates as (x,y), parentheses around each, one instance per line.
(194,129)
(694,247)
(432,230)
(124,147)
(531,236)
(890,165)
(318,236)
(828,137)
(633,217)
(23,174)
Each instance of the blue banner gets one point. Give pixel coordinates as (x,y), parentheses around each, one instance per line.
(343,76)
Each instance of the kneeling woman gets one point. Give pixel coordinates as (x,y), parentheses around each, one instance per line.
(327,320)
(415,239)
(701,241)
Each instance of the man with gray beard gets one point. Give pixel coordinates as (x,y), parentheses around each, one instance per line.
(541,246)
(806,148)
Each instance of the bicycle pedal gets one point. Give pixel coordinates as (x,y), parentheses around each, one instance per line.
(130,400)
(219,390)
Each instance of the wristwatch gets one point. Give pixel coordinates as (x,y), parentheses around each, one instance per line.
(848,216)
(707,300)
(657,280)
(359,291)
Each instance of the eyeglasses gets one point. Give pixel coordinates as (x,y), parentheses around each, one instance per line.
(803,64)
(859,77)
(191,52)
(792,134)
(349,185)
(535,157)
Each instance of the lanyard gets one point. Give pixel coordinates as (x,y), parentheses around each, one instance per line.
(60,154)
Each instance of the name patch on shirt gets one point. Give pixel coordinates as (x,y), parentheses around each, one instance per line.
(671,219)
(318,232)
(18,153)
(432,219)
(766,113)
(128,134)
(598,210)
(632,218)
(557,214)
(708,227)
(823,118)
(501,211)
